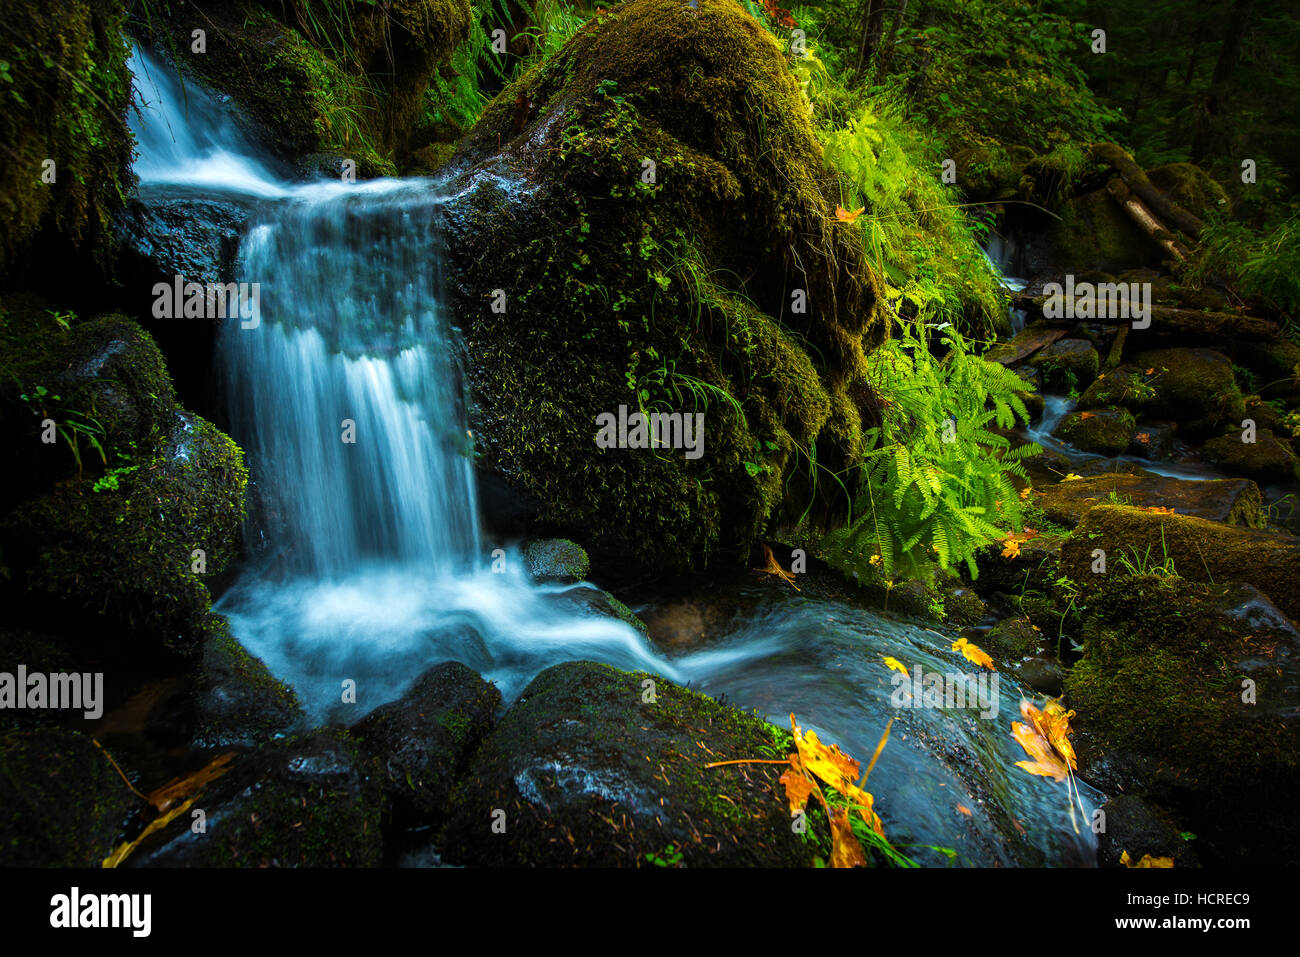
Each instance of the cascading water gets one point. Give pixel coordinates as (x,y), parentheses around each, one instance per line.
(374,568)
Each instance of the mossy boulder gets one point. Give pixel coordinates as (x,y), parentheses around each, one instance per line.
(311,800)
(237,701)
(1067,364)
(591,600)
(423,739)
(1267,459)
(100,380)
(1191,188)
(1195,387)
(1234,501)
(131,554)
(62,803)
(1012,639)
(589,772)
(556,560)
(1186,700)
(1104,431)
(1201,550)
(646,221)
(64,94)
(1093,233)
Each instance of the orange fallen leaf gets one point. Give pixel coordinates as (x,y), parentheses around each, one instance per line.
(1147,861)
(964,809)
(844,216)
(1011,549)
(773,567)
(893,664)
(973,653)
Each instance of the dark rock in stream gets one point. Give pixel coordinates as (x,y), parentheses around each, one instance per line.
(1266,459)
(1188,694)
(1140,828)
(311,800)
(237,700)
(1104,431)
(556,560)
(179,231)
(1067,364)
(585,770)
(424,739)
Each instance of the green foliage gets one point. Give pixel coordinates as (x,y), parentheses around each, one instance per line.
(936,481)
(1265,268)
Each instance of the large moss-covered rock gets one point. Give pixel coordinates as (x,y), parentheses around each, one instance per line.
(587,771)
(1266,459)
(1104,431)
(1186,693)
(62,803)
(1195,387)
(1201,550)
(1235,501)
(132,504)
(1094,234)
(645,220)
(305,801)
(64,93)
(237,701)
(424,739)
(1067,364)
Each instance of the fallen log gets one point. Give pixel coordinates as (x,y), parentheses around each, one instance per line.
(1164,208)
(1172,320)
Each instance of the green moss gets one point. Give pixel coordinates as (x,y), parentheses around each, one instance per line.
(1104,431)
(239,700)
(64,94)
(1094,233)
(1196,387)
(673,295)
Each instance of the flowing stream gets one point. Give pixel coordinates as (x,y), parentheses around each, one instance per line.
(374,567)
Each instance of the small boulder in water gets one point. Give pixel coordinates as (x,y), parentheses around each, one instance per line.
(589,768)
(557,560)
(1105,431)
(306,801)
(237,700)
(423,739)
(1266,459)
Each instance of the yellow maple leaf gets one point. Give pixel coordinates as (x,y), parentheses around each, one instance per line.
(1147,861)
(1071,477)
(844,216)
(1026,492)
(973,653)
(773,567)
(1011,549)
(895,665)
(845,849)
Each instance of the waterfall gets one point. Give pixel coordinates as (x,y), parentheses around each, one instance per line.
(347,396)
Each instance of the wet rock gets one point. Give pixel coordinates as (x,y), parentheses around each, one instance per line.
(1025,343)
(1012,639)
(1139,828)
(586,772)
(423,739)
(237,701)
(1267,459)
(1234,501)
(556,560)
(1200,550)
(306,801)
(168,231)
(596,601)
(1194,387)
(1043,673)
(1067,364)
(1155,440)
(1104,431)
(1187,698)
(62,804)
